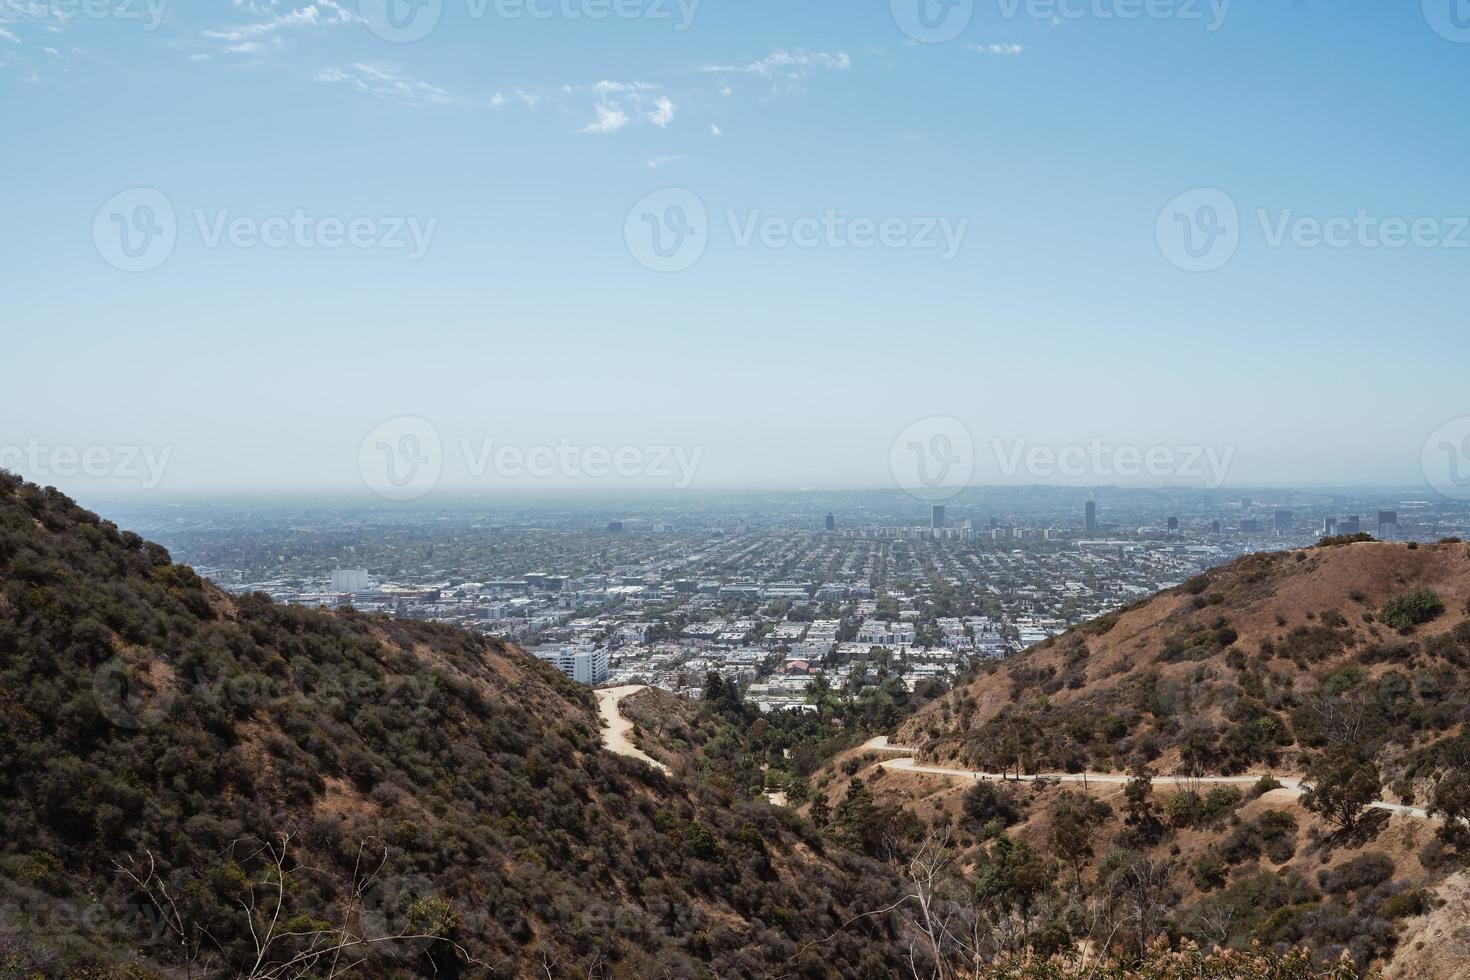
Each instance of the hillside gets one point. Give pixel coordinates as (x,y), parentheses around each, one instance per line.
(205,785)
(1249,668)
(1343,668)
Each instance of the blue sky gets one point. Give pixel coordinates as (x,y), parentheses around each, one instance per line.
(1055,134)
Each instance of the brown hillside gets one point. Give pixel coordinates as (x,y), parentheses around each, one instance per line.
(1238,670)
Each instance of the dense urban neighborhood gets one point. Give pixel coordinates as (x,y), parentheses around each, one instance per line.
(779,596)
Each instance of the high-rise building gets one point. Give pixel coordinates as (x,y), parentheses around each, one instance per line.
(1388,523)
(1350,525)
(937,520)
(1329,526)
(1285,521)
(1092,515)
(1173,524)
(1214,527)
(831,523)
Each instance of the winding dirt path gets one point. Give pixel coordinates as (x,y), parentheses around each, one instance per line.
(1290,784)
(615,728)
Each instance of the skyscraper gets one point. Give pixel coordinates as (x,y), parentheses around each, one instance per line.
(1092,515)
(1285,521)
(1173,523)
(938,517)
(1388,524)
(831,523)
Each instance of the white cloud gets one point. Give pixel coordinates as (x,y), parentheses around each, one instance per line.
(610,119)
(8,36)
(715,130)
(497,100)
(795,64)
(612,88)
(662,161)
(997,48)
(388,82)
(663,112)
(317,14)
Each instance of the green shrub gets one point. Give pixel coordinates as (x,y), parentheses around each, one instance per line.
(1414,608)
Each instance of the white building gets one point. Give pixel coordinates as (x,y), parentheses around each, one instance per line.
(580,664)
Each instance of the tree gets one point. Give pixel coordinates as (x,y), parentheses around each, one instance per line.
(1340,784)
(988,809)
(1075,818)
(1452,802)
(820,812)
(1141,816)
(1011,882)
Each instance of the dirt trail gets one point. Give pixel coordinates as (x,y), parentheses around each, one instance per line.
(616,728)
(1291,784)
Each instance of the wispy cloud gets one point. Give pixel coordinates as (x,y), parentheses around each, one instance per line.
(273,20)
(996,48)
(792,64)
(664,160)
(389,82)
